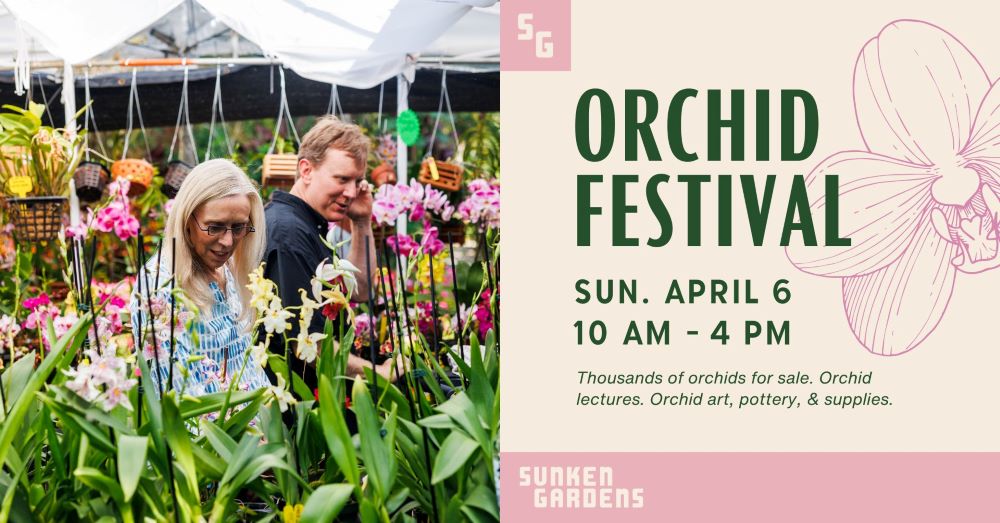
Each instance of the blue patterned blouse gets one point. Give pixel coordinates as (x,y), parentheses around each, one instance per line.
(218,336)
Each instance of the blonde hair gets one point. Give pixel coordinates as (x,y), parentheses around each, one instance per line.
(331,132)
(209,181)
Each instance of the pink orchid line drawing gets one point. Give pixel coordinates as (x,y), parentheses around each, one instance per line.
(920,203)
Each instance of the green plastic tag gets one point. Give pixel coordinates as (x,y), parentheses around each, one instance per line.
(408,126)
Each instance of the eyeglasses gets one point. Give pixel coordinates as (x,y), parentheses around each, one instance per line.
(238,230)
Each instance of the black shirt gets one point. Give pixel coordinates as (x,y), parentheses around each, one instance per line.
(294,250)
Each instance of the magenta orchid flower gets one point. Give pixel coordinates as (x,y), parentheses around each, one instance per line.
(920,203)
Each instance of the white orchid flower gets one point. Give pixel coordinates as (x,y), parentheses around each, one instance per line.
(275,318)
(307,347)
(279,393)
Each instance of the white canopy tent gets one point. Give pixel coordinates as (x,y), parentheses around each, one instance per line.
(351,43)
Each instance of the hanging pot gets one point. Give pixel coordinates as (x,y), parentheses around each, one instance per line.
(58,290)
(380,233)
(383,174)
(90,178)
(454,229)
(279,170)
(174,176)
(137,171)
(442,175)
(36,218)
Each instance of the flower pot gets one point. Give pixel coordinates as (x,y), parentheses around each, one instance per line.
(137,171)
(383,174)
(380,233)
(58,290)
(36,218)
(442,175)
(279,170)
(454,229)
(90,178)
(174,176)
(8,250)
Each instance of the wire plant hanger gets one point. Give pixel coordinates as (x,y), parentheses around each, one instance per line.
(279,168)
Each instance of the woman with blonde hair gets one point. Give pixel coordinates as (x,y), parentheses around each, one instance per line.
(215,235)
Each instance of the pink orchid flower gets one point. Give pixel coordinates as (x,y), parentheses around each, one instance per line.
(403,244)
(920,202)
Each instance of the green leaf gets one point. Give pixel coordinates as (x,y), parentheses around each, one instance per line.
(461,409)
(237,423)
(368,512)
(16,378)
(177,435)
(19,409)
(338,438)
(36,109)
(8,498)
(210,465)
(196,406)
(484,498)
(480,390)
(454,452)
(220,441)
(474,515)
(241,455)
(438,421)
(326,502)
(131,462)
(375,452)
(96,480)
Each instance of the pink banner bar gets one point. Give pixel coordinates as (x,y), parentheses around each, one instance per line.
(773,487)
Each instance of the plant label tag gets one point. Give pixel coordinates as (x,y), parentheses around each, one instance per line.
(433,166)
(19,185)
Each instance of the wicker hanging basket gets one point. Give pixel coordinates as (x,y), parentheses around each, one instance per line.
(380,233)
(443,175)
(383,174)
(36,218)
(279,170)
(90,178)
(137,171)
(453,229)
(174,176)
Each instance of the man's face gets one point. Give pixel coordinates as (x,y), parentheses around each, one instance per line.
(331,186)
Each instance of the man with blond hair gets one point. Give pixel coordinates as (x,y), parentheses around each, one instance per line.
(329,187)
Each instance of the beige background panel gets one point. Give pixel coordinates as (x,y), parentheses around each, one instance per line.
(943,392)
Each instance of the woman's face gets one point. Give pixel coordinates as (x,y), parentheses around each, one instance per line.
(215,251)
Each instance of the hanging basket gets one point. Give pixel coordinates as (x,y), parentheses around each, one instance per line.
(137,171)
(454,229)
(90,178)
(380,233)
(443,175)
(58,290)
(279,170)
(174,176)
(36,218)
(383,174)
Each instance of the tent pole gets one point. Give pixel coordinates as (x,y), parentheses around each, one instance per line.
(69,98)
(131,63)
(402,104)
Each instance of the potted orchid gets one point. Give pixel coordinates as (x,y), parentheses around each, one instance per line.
(39,161)
(385,154)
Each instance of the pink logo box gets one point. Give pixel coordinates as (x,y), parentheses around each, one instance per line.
(535,35)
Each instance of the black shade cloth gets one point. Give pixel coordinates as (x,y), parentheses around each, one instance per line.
(247,94)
